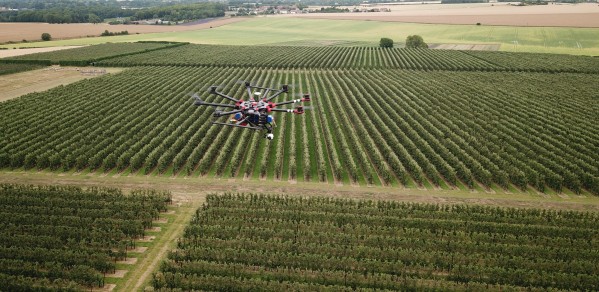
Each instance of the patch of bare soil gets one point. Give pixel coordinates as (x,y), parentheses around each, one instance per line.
(106,288)
(128,261)
(15,85)
(18,31)
(139,249)
(147,238)
(161,220)
(117,274)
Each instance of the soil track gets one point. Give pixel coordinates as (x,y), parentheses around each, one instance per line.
(18,31)
(195,189)
(566,15)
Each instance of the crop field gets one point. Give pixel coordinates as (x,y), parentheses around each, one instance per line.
(413,170)
(85,55)
(289,30)
(284,243)
(15,68)
(356,57)
(304,57)
(447,129)
(58,237)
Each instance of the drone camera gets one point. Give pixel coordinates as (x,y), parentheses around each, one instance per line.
(270,136)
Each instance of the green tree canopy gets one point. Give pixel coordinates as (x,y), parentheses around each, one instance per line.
(92,18)
(46,36)
(415,42)
(386,43)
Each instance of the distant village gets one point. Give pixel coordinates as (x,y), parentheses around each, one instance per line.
(258,9)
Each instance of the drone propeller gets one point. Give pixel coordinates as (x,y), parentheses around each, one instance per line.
(290,85)
(214,88)
(305,96)
(195,96)
(246,82)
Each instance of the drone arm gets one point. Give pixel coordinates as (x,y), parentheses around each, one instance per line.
(248,87)
(298,110)
(225,96)
(238,126)
(288,102)
(220,114)
(282,110)
(266,91)
(275,95)
(215,104)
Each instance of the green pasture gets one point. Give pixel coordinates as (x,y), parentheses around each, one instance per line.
(300,31)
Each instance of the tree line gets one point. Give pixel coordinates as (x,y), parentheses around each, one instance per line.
(96,12)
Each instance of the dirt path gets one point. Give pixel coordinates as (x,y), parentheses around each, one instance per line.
(142,272)
(15,85)
(193,189)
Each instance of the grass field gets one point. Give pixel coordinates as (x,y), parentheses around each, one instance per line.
(295,31)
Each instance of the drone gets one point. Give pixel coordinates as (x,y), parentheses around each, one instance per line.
(253,113)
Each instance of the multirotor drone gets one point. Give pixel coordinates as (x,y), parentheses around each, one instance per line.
(253,113)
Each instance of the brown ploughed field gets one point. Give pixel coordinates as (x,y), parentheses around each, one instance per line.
(566,15)
(18,31)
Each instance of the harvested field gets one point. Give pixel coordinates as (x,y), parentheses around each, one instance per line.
(33,31)
(566,15)
(15,85)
